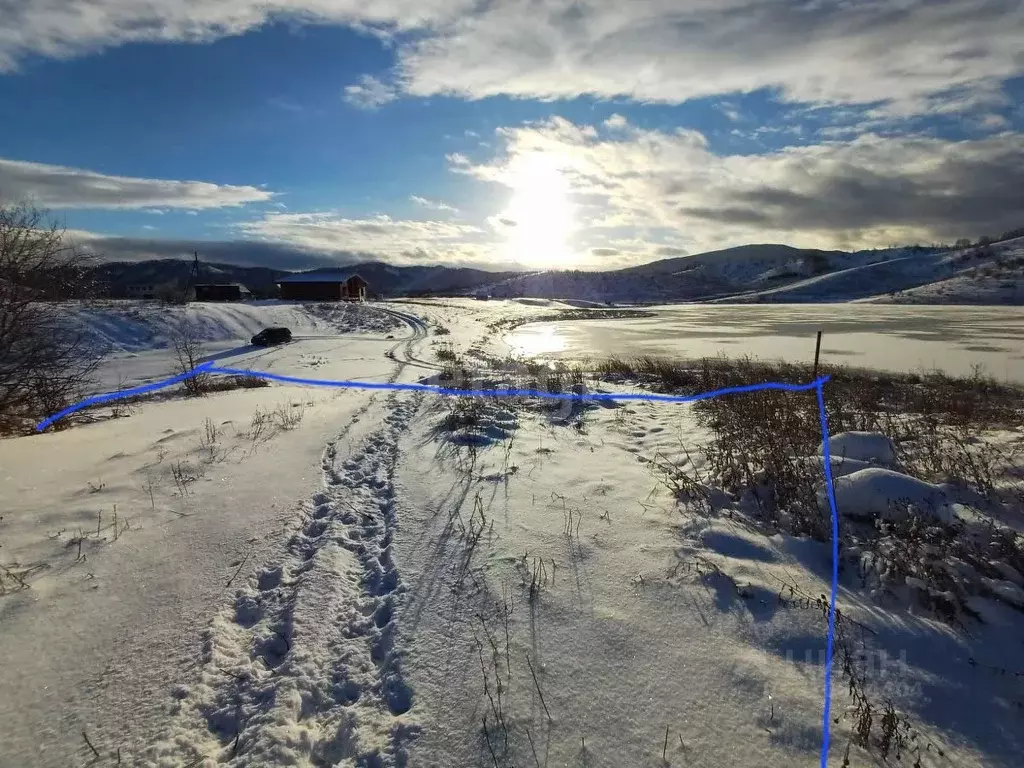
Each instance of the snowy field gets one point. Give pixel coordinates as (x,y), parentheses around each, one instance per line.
(320,577)
(888,337)
(136,338)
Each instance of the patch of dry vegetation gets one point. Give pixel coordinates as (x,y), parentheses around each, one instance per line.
(939,424)
(44,364)
(946,430)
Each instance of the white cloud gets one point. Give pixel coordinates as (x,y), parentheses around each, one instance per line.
(369,93)
(672,50)
(433,205)
(993,122)
(63,28)
(394,240)
(910,54)
(457,160)
(637,195)
(616,122)
(57,186)
(660,188)
(730,111)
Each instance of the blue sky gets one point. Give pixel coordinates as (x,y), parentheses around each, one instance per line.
(525,134)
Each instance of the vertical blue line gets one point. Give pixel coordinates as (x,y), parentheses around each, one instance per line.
(826,717)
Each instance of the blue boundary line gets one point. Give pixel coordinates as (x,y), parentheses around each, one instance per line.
(826,721)
(818,386)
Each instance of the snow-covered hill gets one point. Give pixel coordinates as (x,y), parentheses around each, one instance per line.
(728,273)
(992,274)
(779,273)
(975,278)
(134,326)
(764,272)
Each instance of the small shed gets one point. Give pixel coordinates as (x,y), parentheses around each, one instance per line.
(323,286)
(222,292)
(140,290)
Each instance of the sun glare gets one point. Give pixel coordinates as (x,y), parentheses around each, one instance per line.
(540,216)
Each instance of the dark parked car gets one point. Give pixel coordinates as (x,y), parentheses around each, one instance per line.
(270,336)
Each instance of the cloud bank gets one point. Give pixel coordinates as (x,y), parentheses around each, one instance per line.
(637,190)
(57,186)
(638,195)
(397,241)
(912,55)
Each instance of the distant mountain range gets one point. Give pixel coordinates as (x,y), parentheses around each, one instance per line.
(750,273)
(384,279)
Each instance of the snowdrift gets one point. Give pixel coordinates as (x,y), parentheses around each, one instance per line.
(129,326)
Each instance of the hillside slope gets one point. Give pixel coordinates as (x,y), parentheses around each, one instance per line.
(384,279)
(137,326)
(694,278)
(750,273)
(997,278)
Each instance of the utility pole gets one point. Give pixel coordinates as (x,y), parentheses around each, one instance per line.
(817,355)
(193,276)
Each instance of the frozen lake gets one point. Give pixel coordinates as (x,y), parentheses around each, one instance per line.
(890,337)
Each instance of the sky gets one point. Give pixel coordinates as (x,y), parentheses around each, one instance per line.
(510,134)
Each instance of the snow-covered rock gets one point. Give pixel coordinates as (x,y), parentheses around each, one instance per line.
(840,466)
(871,447)
(1009,573)
(883,493)
(1006,591)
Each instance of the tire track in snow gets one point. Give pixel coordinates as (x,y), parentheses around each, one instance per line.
(301,667)
(419,333)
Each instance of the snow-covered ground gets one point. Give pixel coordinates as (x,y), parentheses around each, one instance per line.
(319,577)
(986,275)
(136,326)
(135,338)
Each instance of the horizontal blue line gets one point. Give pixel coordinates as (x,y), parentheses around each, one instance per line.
(514,392)
(122,394)
(210,368)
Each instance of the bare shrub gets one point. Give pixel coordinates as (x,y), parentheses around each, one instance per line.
(683,481)
(760,439)
(446,353)
(44,365)
(228,383)
(456,374)
(187,355)
(286,417)
(122,407)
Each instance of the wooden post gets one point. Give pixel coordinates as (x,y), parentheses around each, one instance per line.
(817,354)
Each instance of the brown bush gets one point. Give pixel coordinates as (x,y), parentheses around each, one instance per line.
(44,365)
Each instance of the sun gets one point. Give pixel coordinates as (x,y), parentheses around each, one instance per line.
(540,219)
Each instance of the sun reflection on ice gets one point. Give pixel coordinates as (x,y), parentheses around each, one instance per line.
(534,340)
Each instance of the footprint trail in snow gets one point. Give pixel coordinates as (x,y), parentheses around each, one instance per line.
(301,667)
